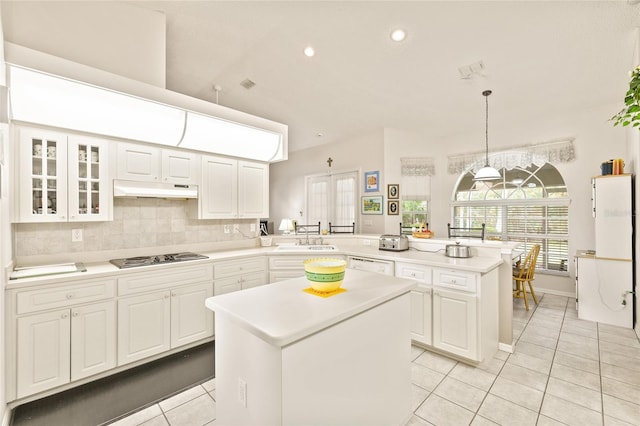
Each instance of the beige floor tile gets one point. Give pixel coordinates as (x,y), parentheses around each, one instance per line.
(575,393)
(493,365)
(620,360)
(550,323)
(621,390)
(531,362)
(632,342)
(196,412)
(589,342)
(140,416)
(425,377)
(463,394)
(580,331)
(621,374)
(473,376)
(619,331)
(534,350)
(417,421)
(577,362)
(436,362)
(416,351)
(524,376)
(481,421)
(181,398)
(505,412)
(581,323)
(548,311)
(517,393)
(619,349)
(568,412)
(611,421)
(442,412)
(156,421)
(418,395)
(575,376)
(537,339)
(620,409)
(548,421)
(579,349)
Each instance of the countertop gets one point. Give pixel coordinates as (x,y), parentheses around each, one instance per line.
(96,270)
(282,313)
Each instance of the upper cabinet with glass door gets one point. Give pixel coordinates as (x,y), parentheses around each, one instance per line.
(61,178)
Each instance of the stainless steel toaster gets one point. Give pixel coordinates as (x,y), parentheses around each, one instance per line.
(393,242)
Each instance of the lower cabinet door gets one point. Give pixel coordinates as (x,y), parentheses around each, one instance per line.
(254,279)
(43,355)
(143,326)
(455,323)
(191,320)
(421,315)
(93,339)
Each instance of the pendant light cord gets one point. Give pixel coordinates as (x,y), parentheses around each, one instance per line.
(486,94)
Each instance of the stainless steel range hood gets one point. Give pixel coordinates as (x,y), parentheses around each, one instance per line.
(126,188)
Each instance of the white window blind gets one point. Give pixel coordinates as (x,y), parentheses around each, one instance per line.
(331,198)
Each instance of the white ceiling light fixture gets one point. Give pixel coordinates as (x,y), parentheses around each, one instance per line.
(487,173)
(398,35)
(309,51)
(468,71)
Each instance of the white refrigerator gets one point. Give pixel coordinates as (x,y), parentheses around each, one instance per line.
(605,280)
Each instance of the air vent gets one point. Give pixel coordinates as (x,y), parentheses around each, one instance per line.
(247,84)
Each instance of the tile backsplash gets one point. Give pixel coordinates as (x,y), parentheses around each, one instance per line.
(137,223)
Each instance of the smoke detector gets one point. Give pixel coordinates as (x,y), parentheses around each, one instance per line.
(247,84)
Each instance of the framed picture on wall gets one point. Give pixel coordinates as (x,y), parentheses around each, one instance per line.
(372,204)
(393,207)
(393,191)
(371,181)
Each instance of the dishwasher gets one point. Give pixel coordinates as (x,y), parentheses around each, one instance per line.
(384,267)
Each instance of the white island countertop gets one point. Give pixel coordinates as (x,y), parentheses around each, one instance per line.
(282,313)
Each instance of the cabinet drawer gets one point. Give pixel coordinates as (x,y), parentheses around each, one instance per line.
(421,273)
(57,297)
(230,268)
(295,262)
(164,278)
(459,280)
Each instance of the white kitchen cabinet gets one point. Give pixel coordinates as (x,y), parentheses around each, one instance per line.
(233,189)
(43,355)
(54,348)
(465,313)
(146,163)
(285,267)
(62,177)
(163,309)
(240,274)
(454,323)
(421,315)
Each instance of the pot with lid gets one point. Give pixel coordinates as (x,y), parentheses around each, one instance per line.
(457,250)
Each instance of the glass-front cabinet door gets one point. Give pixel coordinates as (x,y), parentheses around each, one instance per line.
(43,186)
(88,189)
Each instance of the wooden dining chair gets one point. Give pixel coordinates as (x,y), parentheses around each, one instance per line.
(523,275)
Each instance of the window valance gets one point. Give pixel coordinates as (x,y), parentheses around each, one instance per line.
(417,166)
(560,151)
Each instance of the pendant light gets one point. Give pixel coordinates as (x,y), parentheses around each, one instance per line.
(487,172)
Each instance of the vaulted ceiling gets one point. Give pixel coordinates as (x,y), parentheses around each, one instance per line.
(539,58)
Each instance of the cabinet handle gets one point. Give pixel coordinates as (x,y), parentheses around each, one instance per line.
(173,294)
(69,295)
(166,296)
(75,314)
(62,217)
(64,316)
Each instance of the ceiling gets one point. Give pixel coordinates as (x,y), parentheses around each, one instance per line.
(539,58)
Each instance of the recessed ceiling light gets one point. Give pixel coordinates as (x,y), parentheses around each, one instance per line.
(309,51)
(398,35)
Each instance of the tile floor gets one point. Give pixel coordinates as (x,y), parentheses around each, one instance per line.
(564,371)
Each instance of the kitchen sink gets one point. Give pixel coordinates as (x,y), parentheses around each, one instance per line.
(303,248)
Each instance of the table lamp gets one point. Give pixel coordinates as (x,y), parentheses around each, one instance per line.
(286,226)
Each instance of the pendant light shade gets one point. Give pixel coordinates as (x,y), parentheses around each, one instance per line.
(487,172)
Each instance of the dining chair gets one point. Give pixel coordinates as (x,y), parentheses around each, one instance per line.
(523,275)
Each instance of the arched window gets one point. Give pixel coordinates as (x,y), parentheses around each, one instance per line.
(528,204)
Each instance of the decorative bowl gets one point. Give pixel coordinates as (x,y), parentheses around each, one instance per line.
(325,274)
(422,234)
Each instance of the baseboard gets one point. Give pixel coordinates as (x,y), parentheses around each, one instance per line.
(505,348)
(6,418)
(555,292)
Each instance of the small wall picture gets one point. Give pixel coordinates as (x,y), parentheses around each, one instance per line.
(393,191)
(393,207)
(372,205)
(371,181)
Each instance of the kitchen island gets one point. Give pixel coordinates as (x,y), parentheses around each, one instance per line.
(284,356)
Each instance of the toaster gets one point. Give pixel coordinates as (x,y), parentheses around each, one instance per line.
(393,242)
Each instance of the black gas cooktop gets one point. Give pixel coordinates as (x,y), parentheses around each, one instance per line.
(132,262)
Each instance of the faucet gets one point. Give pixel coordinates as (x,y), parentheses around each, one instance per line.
(307,236)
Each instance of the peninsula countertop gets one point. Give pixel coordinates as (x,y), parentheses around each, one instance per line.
(282,313)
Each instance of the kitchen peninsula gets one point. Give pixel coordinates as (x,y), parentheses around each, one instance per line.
(284,356)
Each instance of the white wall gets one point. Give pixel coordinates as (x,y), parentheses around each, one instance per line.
(119,38)
(286,179)
(5,230)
